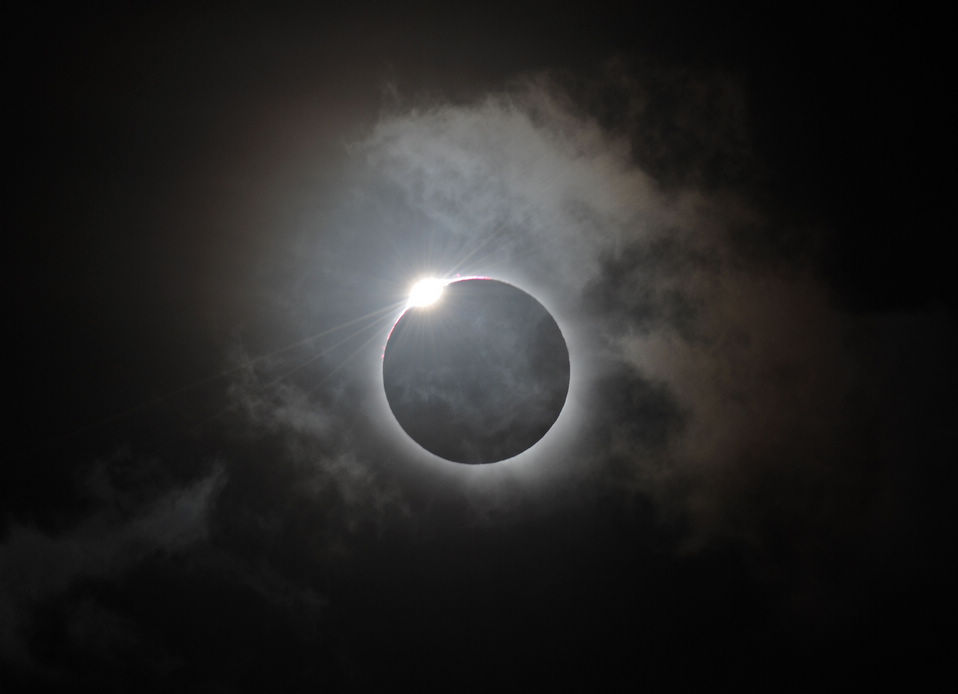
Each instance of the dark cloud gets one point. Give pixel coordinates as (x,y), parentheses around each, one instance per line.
(37,566)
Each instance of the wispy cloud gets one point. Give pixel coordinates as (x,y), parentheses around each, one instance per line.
(37,565)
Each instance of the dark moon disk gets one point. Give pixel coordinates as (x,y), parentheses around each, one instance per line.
(478,376)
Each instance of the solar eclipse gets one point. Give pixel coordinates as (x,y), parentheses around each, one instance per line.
(475,370)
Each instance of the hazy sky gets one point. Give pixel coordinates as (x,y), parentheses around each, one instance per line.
(736,219)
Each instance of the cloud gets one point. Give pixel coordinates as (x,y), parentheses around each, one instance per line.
(36,566)
(528,186)
(746,409)
(535,186)
(310,438)
(713,370)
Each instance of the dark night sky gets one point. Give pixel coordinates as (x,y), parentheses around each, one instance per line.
(737,218)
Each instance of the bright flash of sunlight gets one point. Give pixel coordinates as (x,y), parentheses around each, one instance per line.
(425,292)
